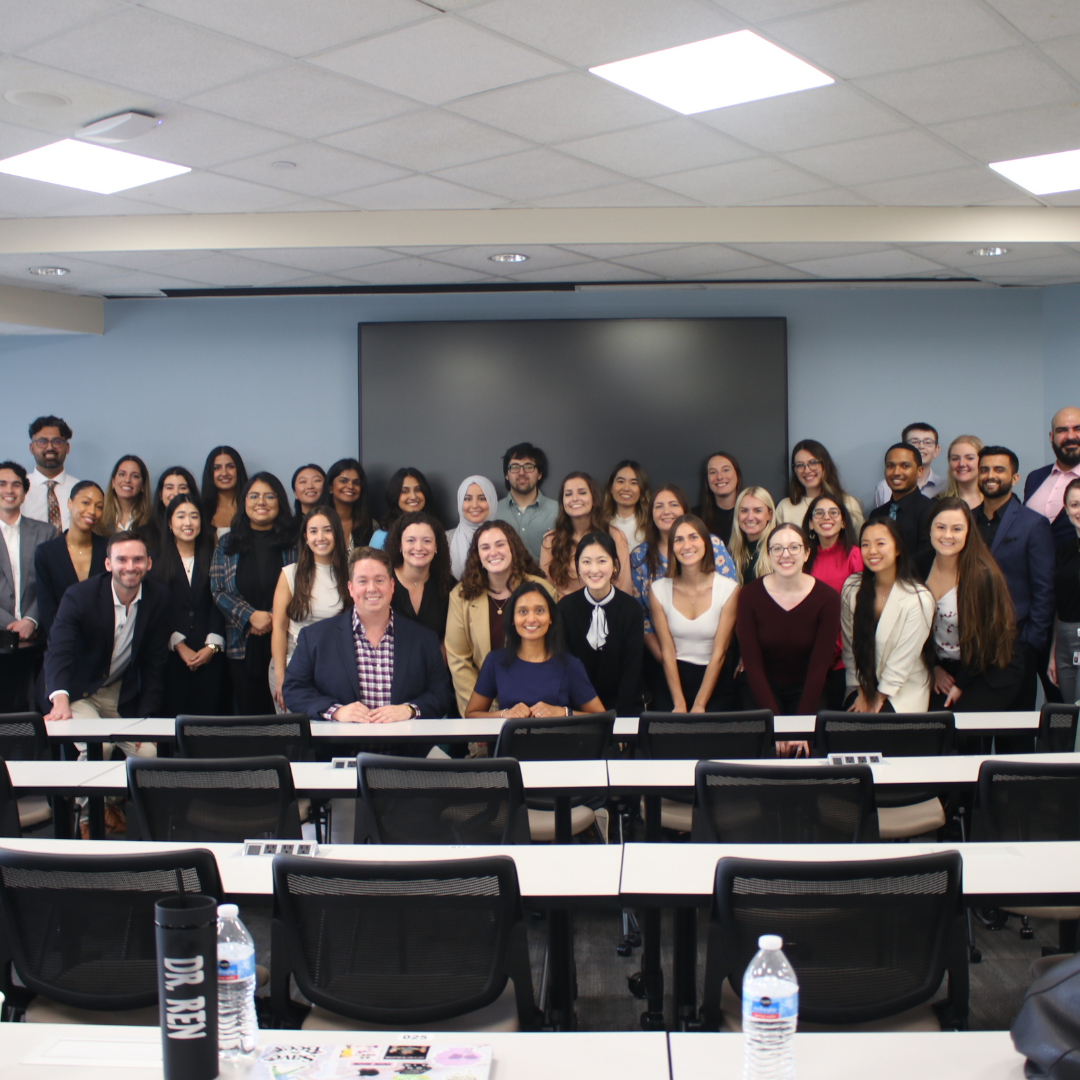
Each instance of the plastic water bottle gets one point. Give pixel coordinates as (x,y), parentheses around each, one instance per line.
(770,1013)
(237,1025)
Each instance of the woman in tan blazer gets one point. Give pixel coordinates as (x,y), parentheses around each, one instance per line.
(885,620)
(496,564)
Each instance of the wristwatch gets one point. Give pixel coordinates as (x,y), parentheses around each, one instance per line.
(214,649)
(414,712)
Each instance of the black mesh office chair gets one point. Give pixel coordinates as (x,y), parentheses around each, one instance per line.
(1057,729)
(225,800)
(24,737)
(399,945)
(432,801)
(79,930)
(288,735)
(868,940)
(9,807)
(780,804)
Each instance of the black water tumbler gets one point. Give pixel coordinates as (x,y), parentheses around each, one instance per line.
(186,929)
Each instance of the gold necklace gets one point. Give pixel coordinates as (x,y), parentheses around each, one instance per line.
(499,604)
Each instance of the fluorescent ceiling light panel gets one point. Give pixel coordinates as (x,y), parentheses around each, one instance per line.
(711,74)
(1044,174)
(89,168)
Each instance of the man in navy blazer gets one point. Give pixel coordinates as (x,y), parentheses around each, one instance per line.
(1044,490)
(365,665)
(1022,545)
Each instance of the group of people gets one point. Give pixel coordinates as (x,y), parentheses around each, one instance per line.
(235,595)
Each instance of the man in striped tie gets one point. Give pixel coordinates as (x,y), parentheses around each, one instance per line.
(50,485)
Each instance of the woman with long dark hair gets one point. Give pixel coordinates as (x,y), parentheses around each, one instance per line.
(407,492)
(814,473)
(1066,640)
(579,513)
(175,480)
(626,502)
(308,483)
(886,615)
(346,492)
(532,674)
(223,477)
(244,576)
(420,556)
(721,482)
(127,497)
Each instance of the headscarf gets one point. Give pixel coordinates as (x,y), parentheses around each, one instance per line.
(461,537)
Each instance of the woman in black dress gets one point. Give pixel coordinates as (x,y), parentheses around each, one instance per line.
(420,555)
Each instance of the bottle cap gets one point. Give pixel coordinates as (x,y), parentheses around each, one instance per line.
(230,911)
(772,942)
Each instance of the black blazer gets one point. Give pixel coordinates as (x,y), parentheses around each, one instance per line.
(55,574)
(81,643)
(1061,526)
(192,611)
(614,670)
(433,607)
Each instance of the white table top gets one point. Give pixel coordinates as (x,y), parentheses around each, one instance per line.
(77,730)
(957,1055)
(59,774)
(517,1056)
(971,721)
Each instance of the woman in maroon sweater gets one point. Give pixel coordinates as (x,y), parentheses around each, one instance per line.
(787,624)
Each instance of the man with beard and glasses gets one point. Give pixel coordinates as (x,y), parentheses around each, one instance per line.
(1023,547)
(1044,491)
(50,485)
(526,507)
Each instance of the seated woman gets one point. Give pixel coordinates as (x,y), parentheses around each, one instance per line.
(1066,641)
(418,552)
(626,502)
(885,618)
(962,481)
(127,497)
(579,513)
(721,482)
(498,563)
(223,477)
(977,668)
(307,485)
(533,674)
(755,519)
(605,628)
(814,473)
(309,590)
(788,623)
(61,562)
(693,611)
(407,492)
(346,492)
(476,502)
(196,663)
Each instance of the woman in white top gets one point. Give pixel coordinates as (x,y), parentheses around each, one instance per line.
(885,620)
(476,502)
(627,502)
(693,615)
(814,473)
(309,590)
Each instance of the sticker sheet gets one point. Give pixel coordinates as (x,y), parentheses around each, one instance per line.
(405,1056)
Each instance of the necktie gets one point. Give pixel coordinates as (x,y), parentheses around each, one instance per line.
(54,506)
(892,510)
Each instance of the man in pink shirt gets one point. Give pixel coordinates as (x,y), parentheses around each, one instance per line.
(1044,490)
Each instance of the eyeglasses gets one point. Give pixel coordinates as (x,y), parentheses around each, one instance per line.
(791,549)
(923,444)
(255,497)
(802,466)
(819,514)
(528,467)
(44,444)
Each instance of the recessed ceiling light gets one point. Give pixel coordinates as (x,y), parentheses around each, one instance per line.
(89,168)
(36,99)
(49,271)
(990,252)
(714,73)
(1043,174)
(282,164)
(509,257)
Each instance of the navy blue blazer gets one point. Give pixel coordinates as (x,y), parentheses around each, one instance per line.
(55,574)
(81,643)
(322,672)
(1024,549)
(1061,526)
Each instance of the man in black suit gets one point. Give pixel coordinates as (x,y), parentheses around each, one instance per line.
(364,665)
(908,507)
(1044,490)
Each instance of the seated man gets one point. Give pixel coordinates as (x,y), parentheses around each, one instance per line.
(364,665)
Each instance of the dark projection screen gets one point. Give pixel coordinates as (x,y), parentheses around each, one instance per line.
(450,397)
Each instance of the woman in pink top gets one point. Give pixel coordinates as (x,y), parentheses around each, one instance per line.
(834,556)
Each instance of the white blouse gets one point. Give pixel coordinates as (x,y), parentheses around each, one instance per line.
(946,628)
(694,638)
(325,601)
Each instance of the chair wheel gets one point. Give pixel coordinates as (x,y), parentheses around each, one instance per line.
(991,918)
(623,949)
(651,1021)
(634,939)
(975,955)
(636,985)
(1026,933)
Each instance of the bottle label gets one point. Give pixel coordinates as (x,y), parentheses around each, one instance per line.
(234,970)
(770,1008)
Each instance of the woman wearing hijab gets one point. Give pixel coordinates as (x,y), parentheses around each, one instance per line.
(476,502)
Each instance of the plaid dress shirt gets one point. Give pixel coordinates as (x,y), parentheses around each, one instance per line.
(374,664)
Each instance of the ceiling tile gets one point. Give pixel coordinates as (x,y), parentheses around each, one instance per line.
(232,271)
(587,273)
(82,267)
(797,253)
(319,260)
(1066,52)
(139,282)
(976,86)
(591,32)
(731,185)
(560,108)
(144,260)
(419,192)
(22,198)
(427,140)
(533,174)
(758,11)
(618,251)
(203,139)
(149,52)
(305,206)
(1020,133)
(303,101)
(208,193)
(88,204)
(21,23)
(439,61)
(830,114)
(833,196)
(865,38)
(957,187)
(293,29)
(1060,266)
(17,140)
(960,256)
(764,273)
(880,157)
(670,146)
(1063,198)
(540,258)
(319,170)
(632,193)
(697,261)
(414,272)
(1041,19)
(892,263)
(312,281)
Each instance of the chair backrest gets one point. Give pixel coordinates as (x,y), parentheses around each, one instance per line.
(432,801)
(288,735)
(867,939)
(23,737)
(559,738)
(1057,729)
(928,734)
(9,807)
(208,800)
(1018,801)
(780,804)
(402,943)
(696,736)
(80,928)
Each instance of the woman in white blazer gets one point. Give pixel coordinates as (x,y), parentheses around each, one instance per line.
(885,619)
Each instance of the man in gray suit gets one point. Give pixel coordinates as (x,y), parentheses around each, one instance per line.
(18,588)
